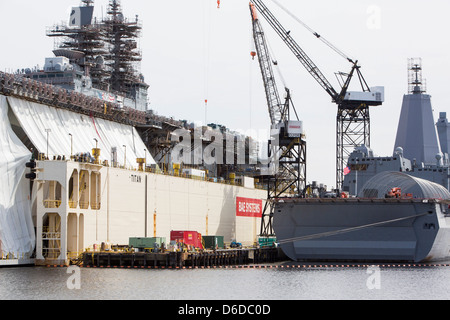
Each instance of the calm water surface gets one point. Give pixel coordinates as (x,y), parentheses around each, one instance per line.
(37,283)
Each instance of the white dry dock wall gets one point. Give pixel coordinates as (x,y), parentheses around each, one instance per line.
(16,227)
(206,207)
(173,203)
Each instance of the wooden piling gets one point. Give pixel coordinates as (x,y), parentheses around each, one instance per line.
(217,258)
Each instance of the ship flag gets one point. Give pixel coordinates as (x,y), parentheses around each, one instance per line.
(346,170)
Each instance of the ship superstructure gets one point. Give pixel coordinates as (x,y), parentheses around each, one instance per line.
(95,70)
(393,208)
(97,58)
(421,145)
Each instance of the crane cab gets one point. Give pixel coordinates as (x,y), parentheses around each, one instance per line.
(288,129)
(373,97)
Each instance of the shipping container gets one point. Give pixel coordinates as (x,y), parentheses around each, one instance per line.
(192,238)
(267,242)
(146,243)
(212,242)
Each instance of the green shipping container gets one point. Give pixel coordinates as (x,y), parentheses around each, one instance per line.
(211,242)
(266,242)
(146,243)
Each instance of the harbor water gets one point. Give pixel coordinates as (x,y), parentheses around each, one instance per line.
(257,283)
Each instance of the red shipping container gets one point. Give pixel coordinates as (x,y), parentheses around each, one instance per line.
(192,238)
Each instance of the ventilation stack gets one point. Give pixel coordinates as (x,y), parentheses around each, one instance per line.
(443,129)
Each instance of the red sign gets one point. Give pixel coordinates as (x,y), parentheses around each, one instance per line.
(246,207)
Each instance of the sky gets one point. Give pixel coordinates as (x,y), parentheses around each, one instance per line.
(193,51)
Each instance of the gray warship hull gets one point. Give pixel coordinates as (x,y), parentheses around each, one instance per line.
(363,230)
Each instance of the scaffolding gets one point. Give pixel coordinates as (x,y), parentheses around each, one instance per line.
(106,51)
(123,56)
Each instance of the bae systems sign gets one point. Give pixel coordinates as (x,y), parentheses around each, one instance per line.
(246,207)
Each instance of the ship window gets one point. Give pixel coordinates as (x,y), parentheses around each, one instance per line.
(42,76)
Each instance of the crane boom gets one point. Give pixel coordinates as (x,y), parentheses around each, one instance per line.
(286,148)
(296,49)
(353,119)
(265,63)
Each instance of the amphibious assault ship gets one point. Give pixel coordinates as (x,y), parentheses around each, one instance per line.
(85,161)
(391,208)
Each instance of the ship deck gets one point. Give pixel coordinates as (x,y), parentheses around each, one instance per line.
(360,200)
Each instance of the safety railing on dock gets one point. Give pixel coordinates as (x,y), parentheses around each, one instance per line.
(73,204)
(15,255)
(52,203)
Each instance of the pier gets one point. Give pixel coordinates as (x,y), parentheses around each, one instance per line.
(218,258)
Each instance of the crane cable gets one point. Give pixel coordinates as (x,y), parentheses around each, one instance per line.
(280,74)
(329,44)
(332,233)
(207,29)
(275,62)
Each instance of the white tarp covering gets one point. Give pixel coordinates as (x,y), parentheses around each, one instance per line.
(36,118)
(16,226)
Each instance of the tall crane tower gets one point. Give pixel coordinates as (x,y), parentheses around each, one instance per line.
(353,118)
(287,147)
